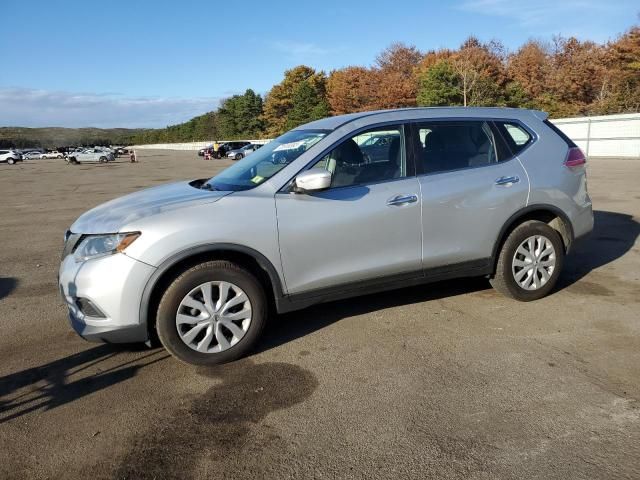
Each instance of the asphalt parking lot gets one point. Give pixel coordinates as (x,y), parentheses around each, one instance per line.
(449,380)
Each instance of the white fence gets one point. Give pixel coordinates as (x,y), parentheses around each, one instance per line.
(604,136)
(187,145)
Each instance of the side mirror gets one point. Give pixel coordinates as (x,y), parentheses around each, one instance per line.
(312,180)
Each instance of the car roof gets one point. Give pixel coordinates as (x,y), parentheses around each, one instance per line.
(402,114)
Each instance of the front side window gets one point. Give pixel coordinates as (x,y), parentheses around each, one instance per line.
(372,156)
(260,166)
(446,146)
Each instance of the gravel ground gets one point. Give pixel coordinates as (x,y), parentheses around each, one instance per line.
(449,380)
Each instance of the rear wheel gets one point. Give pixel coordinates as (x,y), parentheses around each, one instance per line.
(530,262)
(212,313)
(103,159)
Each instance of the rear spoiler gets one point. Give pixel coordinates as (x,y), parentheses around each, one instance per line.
(540,115)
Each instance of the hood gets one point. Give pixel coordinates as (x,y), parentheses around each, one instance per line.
(110,217)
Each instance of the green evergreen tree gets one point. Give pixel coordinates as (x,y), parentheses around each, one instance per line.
(516,96)
(309,103)
(439,86)
(240,116)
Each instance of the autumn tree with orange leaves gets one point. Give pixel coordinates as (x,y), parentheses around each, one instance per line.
(565,77)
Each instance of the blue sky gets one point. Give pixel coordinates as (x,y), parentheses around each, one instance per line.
(152,63)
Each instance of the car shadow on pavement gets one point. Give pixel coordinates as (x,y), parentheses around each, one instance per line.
(613,235)
(68,379)
(7,285)
(290,326)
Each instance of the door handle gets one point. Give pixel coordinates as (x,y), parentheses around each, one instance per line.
(507,181)
(400,200)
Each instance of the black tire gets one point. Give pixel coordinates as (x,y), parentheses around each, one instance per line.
(11,161)
(504,281)
(103,160)
(239,156)
(218,270)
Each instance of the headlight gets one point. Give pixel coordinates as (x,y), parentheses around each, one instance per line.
(94,246)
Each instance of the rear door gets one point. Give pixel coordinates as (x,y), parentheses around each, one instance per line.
(366,227)
(470,184)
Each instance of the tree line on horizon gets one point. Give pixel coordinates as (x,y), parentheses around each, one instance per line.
(564,77)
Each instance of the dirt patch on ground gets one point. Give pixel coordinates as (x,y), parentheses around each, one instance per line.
(222,419)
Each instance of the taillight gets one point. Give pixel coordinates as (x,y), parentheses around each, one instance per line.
(575,158)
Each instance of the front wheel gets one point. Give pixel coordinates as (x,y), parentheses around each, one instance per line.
(238,156)
(11,161)
(103,160)
(530,262)
(212,313)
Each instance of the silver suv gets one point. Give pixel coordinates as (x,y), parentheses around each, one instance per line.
(10,156)
(324,212)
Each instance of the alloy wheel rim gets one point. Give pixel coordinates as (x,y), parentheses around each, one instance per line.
(213,317)
(534,262)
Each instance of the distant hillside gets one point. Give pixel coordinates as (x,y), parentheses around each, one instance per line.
(52,137)
(202,127)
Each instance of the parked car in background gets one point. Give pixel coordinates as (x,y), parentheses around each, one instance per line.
(31,155)
(491,192)
(375,147)
(240,153)
(105,149)
(233,145)
(203,150)
(52,154)
(10,156)
(90,155)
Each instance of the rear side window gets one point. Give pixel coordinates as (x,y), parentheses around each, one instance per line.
(446,146)
(561,134)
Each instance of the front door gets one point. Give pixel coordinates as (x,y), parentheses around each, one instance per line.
(365,227)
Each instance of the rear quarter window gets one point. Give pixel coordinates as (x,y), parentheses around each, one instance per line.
(515,135)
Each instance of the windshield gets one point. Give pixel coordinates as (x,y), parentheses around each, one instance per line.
(264,163)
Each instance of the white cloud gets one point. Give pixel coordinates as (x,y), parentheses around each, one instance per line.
(537,13)
(43,108)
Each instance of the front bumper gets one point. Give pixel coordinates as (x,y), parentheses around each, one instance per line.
(114,284)
(108,333)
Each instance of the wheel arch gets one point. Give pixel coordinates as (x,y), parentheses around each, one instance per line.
(167,271)
(548,214)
